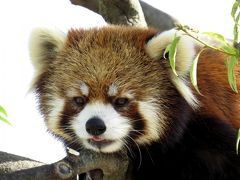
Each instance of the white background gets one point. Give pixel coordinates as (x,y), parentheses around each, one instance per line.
(28,136)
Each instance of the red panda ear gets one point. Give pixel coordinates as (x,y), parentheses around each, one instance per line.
(185,55)
(44,45)
(156,46)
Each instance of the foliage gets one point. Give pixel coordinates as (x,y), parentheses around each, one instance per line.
(231,49)
(3,115)
(172,50)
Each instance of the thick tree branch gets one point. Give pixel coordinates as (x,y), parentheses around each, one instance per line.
(11,163)
(153,17)
(127,12)
(157,18)
(92,5)
(112,165)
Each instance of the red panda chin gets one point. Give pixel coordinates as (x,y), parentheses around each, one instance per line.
(104,146)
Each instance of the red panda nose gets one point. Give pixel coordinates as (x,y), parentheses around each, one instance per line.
(95,126)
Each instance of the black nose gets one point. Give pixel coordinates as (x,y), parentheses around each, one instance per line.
(95,126)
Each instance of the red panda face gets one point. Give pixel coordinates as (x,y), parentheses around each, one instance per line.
(101,89)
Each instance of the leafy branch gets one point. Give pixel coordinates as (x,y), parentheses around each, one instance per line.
(231,49)
(226,47)
(223,46)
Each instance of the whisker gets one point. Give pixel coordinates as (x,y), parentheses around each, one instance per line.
(140,132)
(72,139)
(139,150)
(125,143)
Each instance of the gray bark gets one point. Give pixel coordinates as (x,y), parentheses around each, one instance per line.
(11,163)
(113,166)
(153,17)
(127,12)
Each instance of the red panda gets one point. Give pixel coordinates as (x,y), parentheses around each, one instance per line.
(110,88)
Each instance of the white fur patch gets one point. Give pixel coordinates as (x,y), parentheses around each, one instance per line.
(117,127)
(84,89)
(73,92)
(113,90)
(184,58)
(57,106)
(185,49)
(185,91)
(39,50)
(155,121)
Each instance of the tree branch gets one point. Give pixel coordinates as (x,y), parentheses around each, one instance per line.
(153,17)
(127,12)
(112,165)
(11,163)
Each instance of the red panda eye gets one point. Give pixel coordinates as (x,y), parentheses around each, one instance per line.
(121,102)
(79,101)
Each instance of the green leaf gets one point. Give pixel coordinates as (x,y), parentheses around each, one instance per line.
(2,110)
(217,36)
(235,28)
(5,120)
(193,71)
(237,18)
(235,33)
(229,49)
(231,75)
(238,141)
(234,8)
(166,51)
(172,54)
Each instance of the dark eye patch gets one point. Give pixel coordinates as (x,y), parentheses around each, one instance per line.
(120,102)
(80,101)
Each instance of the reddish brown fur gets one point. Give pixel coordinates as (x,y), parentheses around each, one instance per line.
(97,51)
(219,100)
(171,139)
(135,36)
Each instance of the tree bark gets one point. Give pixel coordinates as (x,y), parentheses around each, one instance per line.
(11,163)
(153,17)
(127,12)
(113,166)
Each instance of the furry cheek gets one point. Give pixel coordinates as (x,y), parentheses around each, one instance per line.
(56,107)
(154,122)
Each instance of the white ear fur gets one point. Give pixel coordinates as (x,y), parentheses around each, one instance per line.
(44,45)
(185,49)
(184,58)
(183,88)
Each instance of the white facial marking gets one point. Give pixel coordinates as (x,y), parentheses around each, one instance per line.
(112,91)
(56,106)
(117,126)
(155,122)
(84,89)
